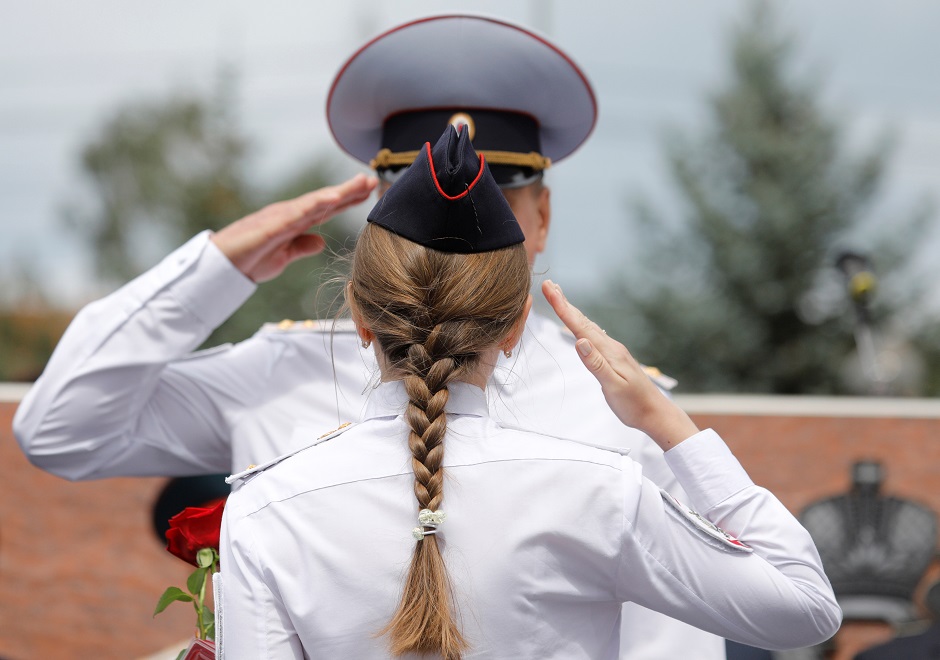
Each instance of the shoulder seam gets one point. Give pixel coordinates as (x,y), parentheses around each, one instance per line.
(623,451)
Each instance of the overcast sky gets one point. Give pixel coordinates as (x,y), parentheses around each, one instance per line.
(65,66)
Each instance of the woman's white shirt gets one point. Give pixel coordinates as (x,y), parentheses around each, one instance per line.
(544,539)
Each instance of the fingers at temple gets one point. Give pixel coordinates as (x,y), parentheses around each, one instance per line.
(579,324)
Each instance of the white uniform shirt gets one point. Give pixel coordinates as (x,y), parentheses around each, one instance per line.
(124,395)
(544,538)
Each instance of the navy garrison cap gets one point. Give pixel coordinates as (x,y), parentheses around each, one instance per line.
(448,200)
(524,101)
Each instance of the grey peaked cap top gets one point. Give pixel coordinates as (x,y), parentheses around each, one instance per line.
(460,61)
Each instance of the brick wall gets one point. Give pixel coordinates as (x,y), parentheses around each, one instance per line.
(80,568)
(802,448)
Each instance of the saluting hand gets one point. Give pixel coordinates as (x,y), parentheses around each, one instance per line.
(262,244)
(630,393)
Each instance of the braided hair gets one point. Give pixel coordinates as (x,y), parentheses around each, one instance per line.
(434,315)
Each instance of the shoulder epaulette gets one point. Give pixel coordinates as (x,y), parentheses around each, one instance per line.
(252,470)
(665,382)
(309,325)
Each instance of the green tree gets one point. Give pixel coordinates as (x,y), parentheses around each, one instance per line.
(161,171)
(734,296)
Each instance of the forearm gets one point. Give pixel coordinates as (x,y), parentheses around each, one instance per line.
(775,596)
(753,514)
(103,396)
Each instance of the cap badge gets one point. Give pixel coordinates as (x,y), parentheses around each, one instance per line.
(463,119)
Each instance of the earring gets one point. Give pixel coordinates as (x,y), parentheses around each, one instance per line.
(366,343)
(508,353)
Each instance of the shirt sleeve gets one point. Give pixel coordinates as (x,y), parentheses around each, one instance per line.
(775,597)
(115,398)
(255,622)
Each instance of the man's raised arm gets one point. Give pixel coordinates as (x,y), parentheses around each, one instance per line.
(123,394)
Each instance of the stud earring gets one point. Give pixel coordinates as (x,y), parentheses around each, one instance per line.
(508,353)
(366,343)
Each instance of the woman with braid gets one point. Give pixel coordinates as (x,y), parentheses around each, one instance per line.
(430,530)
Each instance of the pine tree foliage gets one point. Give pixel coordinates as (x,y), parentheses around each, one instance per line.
(738,296)
(163,170)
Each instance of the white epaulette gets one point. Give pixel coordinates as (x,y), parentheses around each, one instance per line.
(665,382)
(252,470)
(662,381)
(623,451)
(310,325)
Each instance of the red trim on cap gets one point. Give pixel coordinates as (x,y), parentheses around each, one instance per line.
(427,145)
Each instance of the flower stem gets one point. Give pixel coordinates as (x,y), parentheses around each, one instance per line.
(202,600)
(199,605)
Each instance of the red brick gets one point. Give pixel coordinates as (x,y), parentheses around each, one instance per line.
(80,568)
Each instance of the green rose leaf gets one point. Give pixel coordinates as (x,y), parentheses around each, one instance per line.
(182,654)
(195,580)
(205,558)
(208,622)
(172,594)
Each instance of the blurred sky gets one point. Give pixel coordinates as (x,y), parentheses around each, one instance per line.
(65,66)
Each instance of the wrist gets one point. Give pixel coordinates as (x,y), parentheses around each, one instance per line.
(668,425)
(214,287)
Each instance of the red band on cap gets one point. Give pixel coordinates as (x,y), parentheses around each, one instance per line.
(427,145)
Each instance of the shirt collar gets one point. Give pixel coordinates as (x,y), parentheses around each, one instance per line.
(390,399)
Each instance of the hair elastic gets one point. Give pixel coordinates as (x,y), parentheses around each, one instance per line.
(428,519)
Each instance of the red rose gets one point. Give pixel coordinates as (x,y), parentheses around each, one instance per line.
(193,529)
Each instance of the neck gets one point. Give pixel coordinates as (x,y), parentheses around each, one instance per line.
(484,370)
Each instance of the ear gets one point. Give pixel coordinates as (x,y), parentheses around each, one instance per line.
(543,205)
(365,334)
(518,328)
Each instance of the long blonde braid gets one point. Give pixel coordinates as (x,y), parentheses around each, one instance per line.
(434,314)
